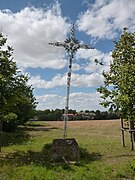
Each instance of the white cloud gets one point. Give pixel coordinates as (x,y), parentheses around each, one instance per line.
(83,101)
(86,80)
(50,101)
(89,65)
(29,32)
(78,101)
(106,17)
(77,80)
(37,82)
(76,67)
(90,54)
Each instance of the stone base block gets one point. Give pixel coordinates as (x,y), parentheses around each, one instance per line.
(64,150)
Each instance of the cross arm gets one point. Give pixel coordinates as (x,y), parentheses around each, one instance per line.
(83,46)
(57,44)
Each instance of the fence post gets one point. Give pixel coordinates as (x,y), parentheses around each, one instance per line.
(131,134)
(122,130)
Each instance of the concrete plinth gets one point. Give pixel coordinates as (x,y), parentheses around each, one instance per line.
(64,150)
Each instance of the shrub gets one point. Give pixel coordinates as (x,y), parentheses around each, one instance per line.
(9,122)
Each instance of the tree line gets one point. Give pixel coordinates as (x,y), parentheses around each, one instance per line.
(58,115)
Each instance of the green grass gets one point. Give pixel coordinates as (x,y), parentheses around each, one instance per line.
(26,154)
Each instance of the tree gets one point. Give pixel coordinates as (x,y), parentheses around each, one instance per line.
(118,92)
(16,96)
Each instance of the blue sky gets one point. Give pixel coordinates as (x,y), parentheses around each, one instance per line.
(31,25)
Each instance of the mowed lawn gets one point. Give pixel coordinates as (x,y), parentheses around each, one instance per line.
(26,153)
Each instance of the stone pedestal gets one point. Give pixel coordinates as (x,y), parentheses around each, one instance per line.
(64,150)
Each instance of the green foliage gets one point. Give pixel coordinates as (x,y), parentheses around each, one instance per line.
(9,122)
(10,117)
(15,95)
(49,115)
(118,92)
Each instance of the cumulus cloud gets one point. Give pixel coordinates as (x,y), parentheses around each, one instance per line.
(86,80)
(50,101)
(105,18)
(78,101)
(29,32)
(77,80)
(83,101)
(76,67)
(38,82)
(89,65)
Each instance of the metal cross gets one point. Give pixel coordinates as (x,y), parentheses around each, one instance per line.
(71,45)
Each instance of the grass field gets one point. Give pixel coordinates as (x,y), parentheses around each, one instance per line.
(26,153)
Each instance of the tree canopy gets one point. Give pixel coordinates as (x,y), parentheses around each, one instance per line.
(118,92)
(16,96)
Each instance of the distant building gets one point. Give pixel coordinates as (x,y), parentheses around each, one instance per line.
(80,116)
(70,116)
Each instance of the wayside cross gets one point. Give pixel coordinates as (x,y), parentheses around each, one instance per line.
(71,45)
